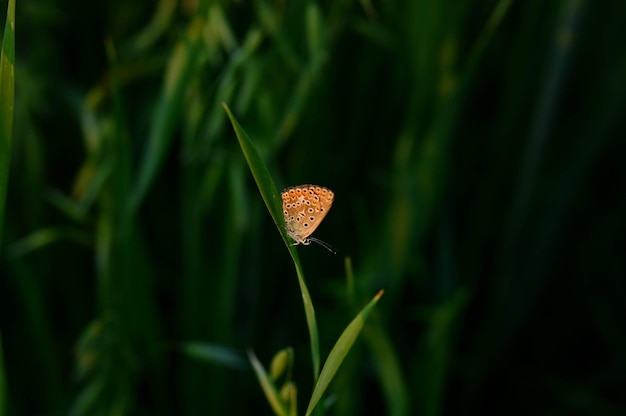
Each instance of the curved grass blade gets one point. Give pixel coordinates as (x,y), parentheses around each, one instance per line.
(261,174)
(389,365)
(179,74)
(7,103)
(339,352)
(267,385)
(266,186)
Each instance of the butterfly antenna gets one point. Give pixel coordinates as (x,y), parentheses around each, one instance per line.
(323,244)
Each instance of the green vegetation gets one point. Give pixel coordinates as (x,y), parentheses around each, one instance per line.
(473,148)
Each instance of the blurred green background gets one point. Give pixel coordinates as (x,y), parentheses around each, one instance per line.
(475,149)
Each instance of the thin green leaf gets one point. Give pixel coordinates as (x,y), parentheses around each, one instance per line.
(270,196)
(7,103)
(309,311)
(496,18)
(178,76)
(212,353)
(389,367)
(261,174)
(267,385)
(339,352)
(43,237)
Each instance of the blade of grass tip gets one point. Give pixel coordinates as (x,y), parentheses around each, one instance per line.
(266,186)
(7,94)
(261,174)
(267,385)
(339,352)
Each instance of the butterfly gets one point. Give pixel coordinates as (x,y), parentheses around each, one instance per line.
(304,208)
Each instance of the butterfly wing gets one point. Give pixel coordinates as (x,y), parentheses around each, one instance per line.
(304,208)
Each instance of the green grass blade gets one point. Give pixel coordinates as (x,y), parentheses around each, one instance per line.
(271,198)
(260,173)
(213,353)
(178,76)
(309,311)
(7,94)
(42,238)
(495,20)
(339,352)
(389,364)
(267,385)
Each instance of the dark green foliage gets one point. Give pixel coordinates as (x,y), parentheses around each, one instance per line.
(473,148)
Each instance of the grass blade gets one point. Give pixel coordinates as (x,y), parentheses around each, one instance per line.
(213,353)
(7,94)
(339,352)
(177,78)
(267,385)
(310,315)
(271,198)
(389,364)
(260,173)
